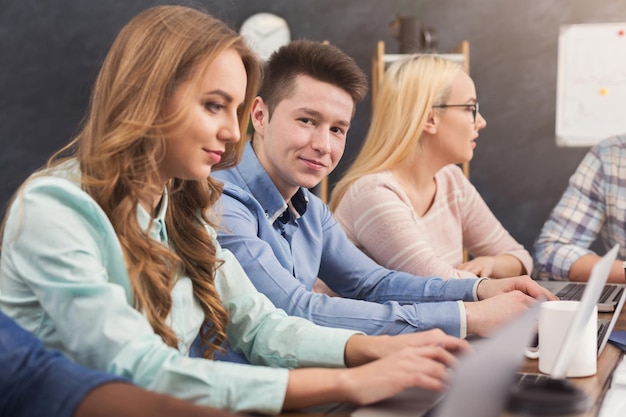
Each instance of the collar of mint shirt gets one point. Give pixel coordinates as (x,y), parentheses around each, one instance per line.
(158,231)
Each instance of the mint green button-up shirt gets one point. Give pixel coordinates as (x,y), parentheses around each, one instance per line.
(63,277)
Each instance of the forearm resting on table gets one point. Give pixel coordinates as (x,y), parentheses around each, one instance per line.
(505,266)
(499,266)
(581,269)
(315,386)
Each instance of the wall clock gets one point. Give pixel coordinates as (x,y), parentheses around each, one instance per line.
(265,33)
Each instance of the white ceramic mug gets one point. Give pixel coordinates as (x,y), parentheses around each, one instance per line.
(554,320)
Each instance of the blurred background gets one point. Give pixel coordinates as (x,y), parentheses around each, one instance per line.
(50,52)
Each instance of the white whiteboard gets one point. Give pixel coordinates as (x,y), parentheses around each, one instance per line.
(591,83)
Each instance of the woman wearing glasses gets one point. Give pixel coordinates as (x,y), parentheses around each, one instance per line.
(404,201)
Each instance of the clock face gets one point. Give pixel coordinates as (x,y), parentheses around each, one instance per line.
(265,33)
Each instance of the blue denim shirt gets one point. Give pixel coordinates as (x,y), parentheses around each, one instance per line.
(283,255)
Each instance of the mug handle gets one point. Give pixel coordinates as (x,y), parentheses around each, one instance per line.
(532,352)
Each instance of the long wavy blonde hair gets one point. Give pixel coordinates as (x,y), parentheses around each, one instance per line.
(406,96)
(121,144)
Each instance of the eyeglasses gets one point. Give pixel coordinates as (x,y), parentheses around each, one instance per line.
(473,107)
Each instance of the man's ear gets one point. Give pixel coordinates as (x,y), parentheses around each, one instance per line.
(431,123)
(259,115)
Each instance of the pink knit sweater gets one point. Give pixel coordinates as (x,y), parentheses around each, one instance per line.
(379,218)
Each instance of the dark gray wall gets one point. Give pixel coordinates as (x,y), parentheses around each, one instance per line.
(50,52)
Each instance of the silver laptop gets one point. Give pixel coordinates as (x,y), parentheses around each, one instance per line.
(611,299)
(480,383)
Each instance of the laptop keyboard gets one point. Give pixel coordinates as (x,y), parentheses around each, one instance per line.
(574,291)
(619,293)
(523,378)
(603,327)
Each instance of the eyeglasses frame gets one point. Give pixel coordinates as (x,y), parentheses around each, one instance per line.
(474,110)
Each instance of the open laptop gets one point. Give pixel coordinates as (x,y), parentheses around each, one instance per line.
(594,289)
(480,383)
(612,296)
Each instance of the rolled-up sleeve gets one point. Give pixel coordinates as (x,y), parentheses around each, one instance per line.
(279,339)
(575,221)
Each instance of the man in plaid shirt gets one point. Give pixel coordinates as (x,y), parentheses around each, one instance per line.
(593,204)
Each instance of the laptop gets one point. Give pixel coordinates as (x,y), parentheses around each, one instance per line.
(595,289)
(480,383)
(612,296)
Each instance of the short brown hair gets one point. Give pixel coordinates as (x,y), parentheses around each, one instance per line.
(320,61)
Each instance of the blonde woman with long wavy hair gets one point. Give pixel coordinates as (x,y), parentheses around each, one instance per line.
(404,201)
(109,254)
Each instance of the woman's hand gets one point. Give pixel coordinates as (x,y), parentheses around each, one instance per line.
(424,367)
(500,266)
(414,360)
(481,266)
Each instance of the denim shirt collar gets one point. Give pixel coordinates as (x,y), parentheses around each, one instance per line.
(262,188)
